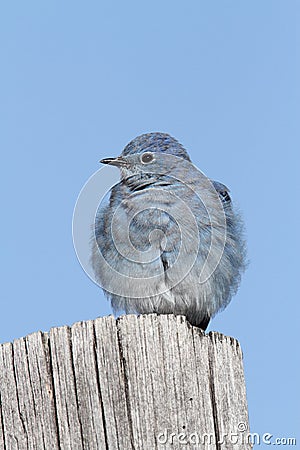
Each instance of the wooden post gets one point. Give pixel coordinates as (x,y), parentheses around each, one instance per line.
(147,382)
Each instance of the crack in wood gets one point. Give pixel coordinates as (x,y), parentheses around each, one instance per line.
(75,384)
(2,424)
(126,385)
(99,389)
(54,393)
(213,398)
(17,397)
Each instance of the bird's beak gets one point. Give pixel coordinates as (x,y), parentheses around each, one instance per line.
(119,161)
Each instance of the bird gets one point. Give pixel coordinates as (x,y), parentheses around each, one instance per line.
(169,239)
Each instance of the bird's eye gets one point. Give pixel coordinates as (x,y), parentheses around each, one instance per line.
(147,158)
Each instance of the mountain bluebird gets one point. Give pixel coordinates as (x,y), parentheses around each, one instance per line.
(169,240)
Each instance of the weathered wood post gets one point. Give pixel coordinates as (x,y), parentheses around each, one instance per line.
(148,382)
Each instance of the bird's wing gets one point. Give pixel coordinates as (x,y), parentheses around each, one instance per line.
(223,192)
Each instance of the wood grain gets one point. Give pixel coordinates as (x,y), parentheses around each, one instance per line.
(147,382)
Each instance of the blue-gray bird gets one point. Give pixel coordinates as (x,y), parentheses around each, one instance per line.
(169,240)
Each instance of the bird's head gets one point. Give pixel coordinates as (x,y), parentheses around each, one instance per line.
(144,154)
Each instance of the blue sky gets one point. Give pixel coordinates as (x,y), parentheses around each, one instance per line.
(81,79)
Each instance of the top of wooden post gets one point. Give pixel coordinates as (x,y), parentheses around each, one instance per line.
(142,382)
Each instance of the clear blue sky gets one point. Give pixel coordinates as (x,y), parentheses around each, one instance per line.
(81,79)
